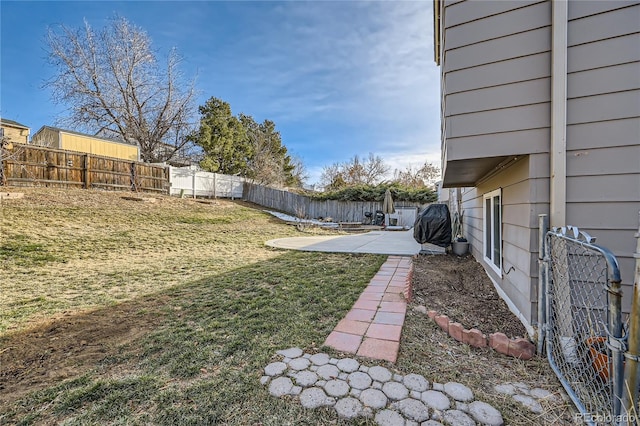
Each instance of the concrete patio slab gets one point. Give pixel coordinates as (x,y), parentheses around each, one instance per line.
(400,243)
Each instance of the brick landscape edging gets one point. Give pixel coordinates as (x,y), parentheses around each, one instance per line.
(520,348)
(408,294)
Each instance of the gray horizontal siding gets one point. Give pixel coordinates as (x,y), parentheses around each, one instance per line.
(612,106)
(603,112)
(597,161)
(593,7)
(611,215)
(519,259)
(498,144)
(604,188)
(496,50)
(604,53)
(502,120)
(504,96)
(603,134)
(523,198)
(495,26)
(463,12)
(610,24)
(600,81)
(512,71)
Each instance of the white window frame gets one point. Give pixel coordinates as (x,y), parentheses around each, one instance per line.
(489,243)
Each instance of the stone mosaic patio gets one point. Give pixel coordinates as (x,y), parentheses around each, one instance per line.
(357,390)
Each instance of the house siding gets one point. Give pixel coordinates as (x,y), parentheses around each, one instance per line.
(101,147)
(524,196)
(496,90)
(603,117)
(14,134)
(47,137)
(496,77)
(59,139)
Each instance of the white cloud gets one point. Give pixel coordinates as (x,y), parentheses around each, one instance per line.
(349,77)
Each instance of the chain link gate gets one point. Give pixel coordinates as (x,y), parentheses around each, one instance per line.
(583,322)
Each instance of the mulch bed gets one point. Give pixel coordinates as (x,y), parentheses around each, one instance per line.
(458,286)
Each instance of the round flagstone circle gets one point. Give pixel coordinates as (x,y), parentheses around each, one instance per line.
(389,418)
(485,414)
(373,398)
(280,386)
(328,372)
(356,390)
(348,365)
(413,409)
(319,359)
(348,408)
(306,378)
(359,380)
(290,353)
(458,391)
(299,363)
(436,400)
(395,391)
(416,382)
(380,374)
(336,388)
(314,398)
(275,369)
(458,418)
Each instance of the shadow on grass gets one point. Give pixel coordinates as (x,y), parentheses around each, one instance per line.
(192,354)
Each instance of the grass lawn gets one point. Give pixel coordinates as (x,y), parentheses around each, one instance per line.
(114,311)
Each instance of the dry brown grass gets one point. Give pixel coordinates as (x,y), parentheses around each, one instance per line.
(459,287)
(64,250)
(117,311)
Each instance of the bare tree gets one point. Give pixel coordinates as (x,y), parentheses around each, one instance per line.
(8,151)
(299,173)
(356,171)
(425,176)
(115,87)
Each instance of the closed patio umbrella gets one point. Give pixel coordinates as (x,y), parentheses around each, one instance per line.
(387,205)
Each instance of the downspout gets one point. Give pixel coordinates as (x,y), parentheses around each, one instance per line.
(558,154)
(558,148)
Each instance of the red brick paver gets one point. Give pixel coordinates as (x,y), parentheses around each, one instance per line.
(344,342)
(373,326)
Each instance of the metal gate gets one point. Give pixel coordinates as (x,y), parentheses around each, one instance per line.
(583,322)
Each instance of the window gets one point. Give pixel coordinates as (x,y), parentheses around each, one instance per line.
(493,230)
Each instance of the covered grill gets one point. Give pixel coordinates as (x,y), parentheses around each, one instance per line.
(433,226)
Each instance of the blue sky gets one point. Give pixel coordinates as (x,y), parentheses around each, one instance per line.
(338,78)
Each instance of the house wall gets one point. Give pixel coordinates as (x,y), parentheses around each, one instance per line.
(496,78)
(101,147)
(496,100)
(14,134)
(525,195)
(603,125)
(47,137)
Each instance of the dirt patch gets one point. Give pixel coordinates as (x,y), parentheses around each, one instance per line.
(459,288)
(66,346)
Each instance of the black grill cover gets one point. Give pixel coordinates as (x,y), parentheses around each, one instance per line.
(433,226)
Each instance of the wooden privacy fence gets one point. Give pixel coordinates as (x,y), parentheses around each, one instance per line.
(27,165)
(197,183)
(301,206)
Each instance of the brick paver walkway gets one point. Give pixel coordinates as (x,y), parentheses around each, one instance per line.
(373,326)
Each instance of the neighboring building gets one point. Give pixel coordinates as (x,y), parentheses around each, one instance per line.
(53,137)
(541,114)
(13,131)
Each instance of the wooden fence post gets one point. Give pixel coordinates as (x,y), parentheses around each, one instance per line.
(87,171)
(133,177)
(3,180)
